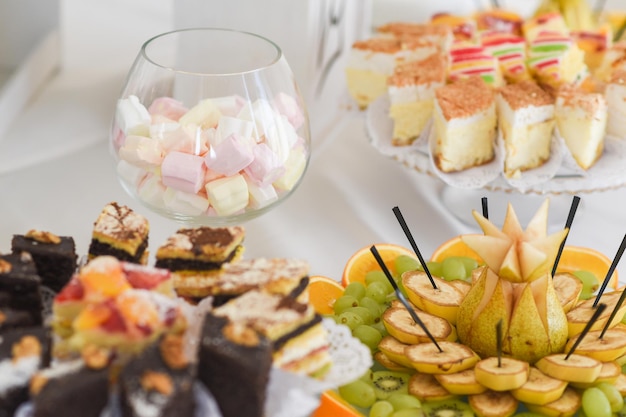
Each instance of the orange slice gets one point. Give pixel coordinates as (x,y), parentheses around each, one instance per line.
(454,247)
(363,261)
(323,291)
(332,405)
(578,258)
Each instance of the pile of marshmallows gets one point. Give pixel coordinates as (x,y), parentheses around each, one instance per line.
(222,157)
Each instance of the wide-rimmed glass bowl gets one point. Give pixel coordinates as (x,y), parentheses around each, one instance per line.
(210,127)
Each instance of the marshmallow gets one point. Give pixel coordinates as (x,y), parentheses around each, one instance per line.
(288,107)
(281,137)
(228,195)
(142,151)
(185,203)
(266,167)
(168,107)
(161,126)
(260,196)
(229,157)
(205,114)
(229,105)
(130,173)
(183,171)
(295,165)
(132,117)
(232,126)
(261,114)
(189,139)
(151,191)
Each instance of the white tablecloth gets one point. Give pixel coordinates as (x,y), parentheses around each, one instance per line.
(56,173)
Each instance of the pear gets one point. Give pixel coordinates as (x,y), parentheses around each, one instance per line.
(426,388)
(493,403)
(565,406)
(609,348)
(461,383)
(453,357)
(442,301)
(568,289)
(539,388)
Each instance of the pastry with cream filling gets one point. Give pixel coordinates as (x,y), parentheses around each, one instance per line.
(615,94)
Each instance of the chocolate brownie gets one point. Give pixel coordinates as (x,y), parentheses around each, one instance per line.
(20,285)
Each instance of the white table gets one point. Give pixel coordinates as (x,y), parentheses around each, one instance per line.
(56,173)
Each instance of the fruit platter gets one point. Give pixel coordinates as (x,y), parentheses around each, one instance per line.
(511,321)
(497,101)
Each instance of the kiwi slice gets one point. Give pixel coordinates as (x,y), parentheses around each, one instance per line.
(390,382)
(448,408)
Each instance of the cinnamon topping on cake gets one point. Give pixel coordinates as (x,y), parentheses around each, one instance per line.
(157,381)
(427,71)
(5,267)
(172,351)
(120,222)
(464,97)
(590,103)
(387,45)
(27,346)
(524,94)
(241,334)
(95,357)
(43,237)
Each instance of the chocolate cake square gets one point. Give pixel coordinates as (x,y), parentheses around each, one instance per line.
(23,352)
(71,388)
(54,256)
(20,285)
(120,232)
(158,382)
(234,362)
(11,319)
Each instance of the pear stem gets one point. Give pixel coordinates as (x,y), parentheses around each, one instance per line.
(483,202)
(401,297)
(582,334)
(568,226)
(409,236)
(607,278)
(619,303)
(499,341)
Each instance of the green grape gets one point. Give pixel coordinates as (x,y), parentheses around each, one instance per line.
(435,268)
(365,314)
(404,263)
(344,302)
(401,401)
(368,335)
(358,393)
(377,291)
(613,395)
(368,377)
(381,409)
(527,414)
(595,403)
(469,263)
(355,289)
(381,328)
(377,276)
(585,295)
(589,280)
(375,307)
(350,319)
(409,412)
(452,268)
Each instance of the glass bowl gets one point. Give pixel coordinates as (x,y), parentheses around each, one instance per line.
(210,127)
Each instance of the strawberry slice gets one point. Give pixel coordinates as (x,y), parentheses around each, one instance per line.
(144,277)
(73,291)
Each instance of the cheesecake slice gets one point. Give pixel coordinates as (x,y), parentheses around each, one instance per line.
(615,94)
(581,118)
(411,94)
(465,125)
(526,121)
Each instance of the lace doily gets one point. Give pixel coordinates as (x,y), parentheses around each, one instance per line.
(559,175)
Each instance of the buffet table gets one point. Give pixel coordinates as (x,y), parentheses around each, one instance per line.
(56,173)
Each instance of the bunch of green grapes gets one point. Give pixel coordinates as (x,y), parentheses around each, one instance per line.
(602,400)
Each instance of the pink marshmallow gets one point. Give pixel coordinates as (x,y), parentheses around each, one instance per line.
(142,151)
(183,171)
(185,139)
(266,167)
(288,107)
(229,157)
(168,107)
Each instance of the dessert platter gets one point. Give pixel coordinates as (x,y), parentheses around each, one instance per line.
(498,102)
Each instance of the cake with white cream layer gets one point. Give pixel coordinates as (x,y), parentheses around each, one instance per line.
(465,124)
(615,94)
(526,121)
(411,92)
(581,118)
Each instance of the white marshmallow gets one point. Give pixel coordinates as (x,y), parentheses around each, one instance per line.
(229,156)
(232,126)
(162,126)
(229,105)
(189,139)
(130,173)
(281,137)
(228,195)
(295,165)
(132,117)
(185,203)
(183,171)
(142,151)
(205,114)
(261,113)
(266,166)
(288,107)
(260,196)
(168,107)
(151,191)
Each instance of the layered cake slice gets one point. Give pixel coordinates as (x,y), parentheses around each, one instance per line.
(615,94)
(195,256)
(299,341)
(23,352)
(464,125)
(54,256)
(510,51)
(581,118)
(555,60)
(158,382)
(234,363)
(120,232)
(551,22)
(594,43)
(411,91)
(20,285)
(526,120)
(503,21)
(469,60)
(463,28)
(437,34)
(373,60)
(79,387)
(613,60)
